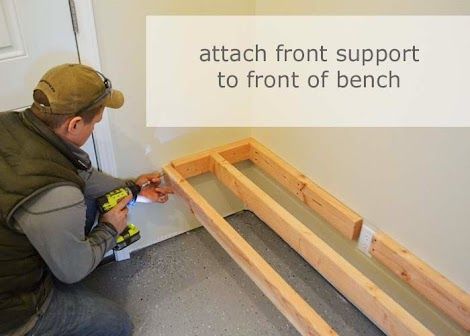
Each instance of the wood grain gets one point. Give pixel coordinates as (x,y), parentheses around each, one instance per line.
(197,164)
(333,211)
(445,295)
(296,310)
(370,299)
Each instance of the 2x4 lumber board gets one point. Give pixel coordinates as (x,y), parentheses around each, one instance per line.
(363,293)
(445,295)
(197,164)
(333,211)
(296,310)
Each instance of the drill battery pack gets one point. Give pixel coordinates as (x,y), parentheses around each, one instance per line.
(129,236)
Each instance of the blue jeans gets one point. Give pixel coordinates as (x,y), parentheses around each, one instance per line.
(76,311)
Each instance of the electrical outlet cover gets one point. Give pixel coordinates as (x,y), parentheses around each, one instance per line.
(365,239)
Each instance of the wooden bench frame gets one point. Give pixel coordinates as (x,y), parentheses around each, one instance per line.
(379,307)
(436,288)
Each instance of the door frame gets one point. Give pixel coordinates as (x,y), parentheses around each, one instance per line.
(87,45)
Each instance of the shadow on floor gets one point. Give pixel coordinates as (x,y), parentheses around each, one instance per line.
(189,285)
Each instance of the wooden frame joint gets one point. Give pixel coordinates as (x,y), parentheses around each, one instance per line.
(370,299)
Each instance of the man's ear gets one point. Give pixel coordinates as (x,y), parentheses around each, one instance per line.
(75,125)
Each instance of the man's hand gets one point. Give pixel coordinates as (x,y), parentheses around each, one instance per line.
(158,194)
(153,178)
(153,192)
(117,216)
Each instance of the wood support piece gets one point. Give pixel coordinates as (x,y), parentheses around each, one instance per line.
(446,296)
(371,300)
(197,164)
(296,310)
(333,211)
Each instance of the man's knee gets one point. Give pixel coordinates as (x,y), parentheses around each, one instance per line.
(116,321)
(125,325)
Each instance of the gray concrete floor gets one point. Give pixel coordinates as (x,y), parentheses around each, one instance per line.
(188,285)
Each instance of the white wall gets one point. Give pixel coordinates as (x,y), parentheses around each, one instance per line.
(362,7)
(411,183)
(120,28)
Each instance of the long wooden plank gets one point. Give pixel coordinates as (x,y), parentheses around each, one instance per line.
(296,310)
(445,295)
(333,211)
(370,299)
(197,164)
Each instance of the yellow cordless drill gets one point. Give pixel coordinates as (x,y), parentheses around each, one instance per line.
(108,201)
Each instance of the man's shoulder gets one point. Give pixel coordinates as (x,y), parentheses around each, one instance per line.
(54,199)
(8,118)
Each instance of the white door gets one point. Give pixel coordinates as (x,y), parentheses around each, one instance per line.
(35,35)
